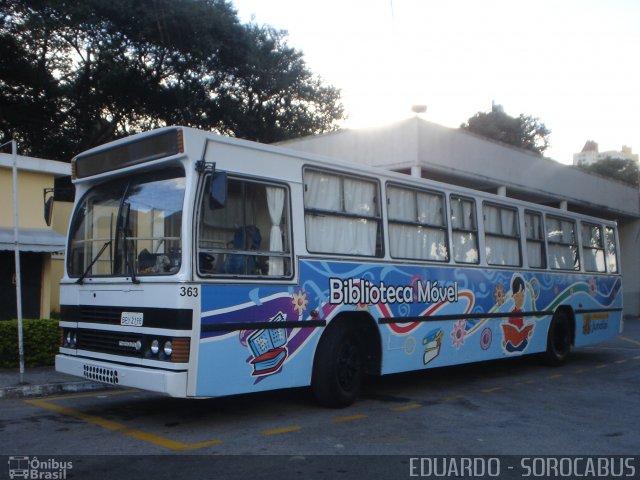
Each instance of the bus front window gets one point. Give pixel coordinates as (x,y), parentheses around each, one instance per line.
(129,226)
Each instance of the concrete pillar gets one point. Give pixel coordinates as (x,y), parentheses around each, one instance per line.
(629,261)
(502,191)
(416,171)
(564,205)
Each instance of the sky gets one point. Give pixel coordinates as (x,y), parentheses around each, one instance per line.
(574,65)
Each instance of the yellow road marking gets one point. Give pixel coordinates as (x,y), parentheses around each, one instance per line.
(120,428)
(554,377)
(491,390)
(349,418)
(405,408)
(621,361)
(602,365)
(526,382)
(278,431)
(454,397)
(580,370)
(630,340)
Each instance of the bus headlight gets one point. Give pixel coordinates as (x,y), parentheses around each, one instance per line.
(168,348)
(70,339)
(155,347)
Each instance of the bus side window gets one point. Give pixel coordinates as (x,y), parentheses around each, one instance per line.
(417,224)
(464,230)
(502,235)
(563,244)
(593,248)
(249,234)
(612,256)
(534,235)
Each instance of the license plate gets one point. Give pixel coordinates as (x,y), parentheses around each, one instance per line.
(131,319)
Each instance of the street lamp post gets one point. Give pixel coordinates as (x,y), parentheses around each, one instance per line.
(16,240)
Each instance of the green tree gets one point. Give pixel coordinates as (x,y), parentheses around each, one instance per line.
(78,74)
(617,168)
(523,131)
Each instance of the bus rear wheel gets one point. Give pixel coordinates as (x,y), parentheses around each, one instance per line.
(559,340)
(338,367)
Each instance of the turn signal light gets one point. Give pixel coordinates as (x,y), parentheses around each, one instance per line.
(180,349)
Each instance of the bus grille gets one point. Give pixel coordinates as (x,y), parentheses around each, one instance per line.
(100,374)
(116,343)
(100,314)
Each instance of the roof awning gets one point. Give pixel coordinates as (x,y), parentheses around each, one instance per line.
(32,240)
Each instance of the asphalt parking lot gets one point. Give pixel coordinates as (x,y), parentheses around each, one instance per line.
(590,406)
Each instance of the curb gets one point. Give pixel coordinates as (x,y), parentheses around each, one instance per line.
(25,391)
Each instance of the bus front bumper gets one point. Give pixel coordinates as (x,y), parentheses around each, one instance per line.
(161,381)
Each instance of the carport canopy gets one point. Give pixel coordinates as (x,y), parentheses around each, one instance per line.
(32,240)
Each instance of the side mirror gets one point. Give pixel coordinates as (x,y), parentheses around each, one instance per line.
(218,190)
(48,206)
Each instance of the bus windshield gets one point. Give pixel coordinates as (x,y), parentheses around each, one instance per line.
(129,226)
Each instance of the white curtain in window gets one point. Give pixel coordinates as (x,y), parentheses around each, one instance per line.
(402,205)
(465,248)
(611,250)
(430,209)
(534,254)
(532,226)
(561,256)
(348,236)
(322,191)
(359,197)
(502,251)
(275,203)
(492,220)
(422,243)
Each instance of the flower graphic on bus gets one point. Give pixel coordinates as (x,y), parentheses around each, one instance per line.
(458,333)
(299,301)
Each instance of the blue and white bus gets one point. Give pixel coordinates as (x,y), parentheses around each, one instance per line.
(201,266)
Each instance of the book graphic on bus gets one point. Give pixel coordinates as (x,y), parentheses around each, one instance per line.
(268,348)
(432,343)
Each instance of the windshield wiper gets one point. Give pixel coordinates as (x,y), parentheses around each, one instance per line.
(95,259)
(125,248)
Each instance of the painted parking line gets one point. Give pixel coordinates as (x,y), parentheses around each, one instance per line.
(406,408)
(174,445)
(630,340)
(349,418)
(281,430)
(120,428)
(490,390)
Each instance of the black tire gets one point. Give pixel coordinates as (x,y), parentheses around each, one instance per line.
(338,367)
(559,340)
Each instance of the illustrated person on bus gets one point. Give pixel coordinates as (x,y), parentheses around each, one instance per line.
(515,331)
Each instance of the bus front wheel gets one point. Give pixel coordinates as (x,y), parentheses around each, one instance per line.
(338,367)
(559,340)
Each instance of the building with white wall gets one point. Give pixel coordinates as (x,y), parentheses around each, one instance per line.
(428,150)
(590,154)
